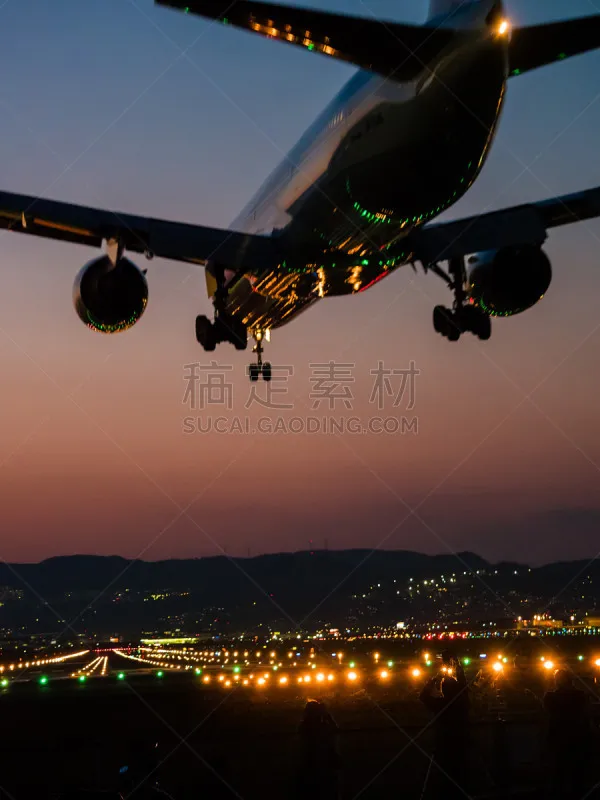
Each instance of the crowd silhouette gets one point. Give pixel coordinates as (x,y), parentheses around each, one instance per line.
(567,750)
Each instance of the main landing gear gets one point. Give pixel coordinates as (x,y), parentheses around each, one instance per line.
(225,327)
(255,370)
(463,317)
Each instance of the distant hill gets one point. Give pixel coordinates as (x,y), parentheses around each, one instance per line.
(353,588)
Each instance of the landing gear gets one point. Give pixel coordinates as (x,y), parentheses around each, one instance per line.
(462,317)
(225,328)
(260,368)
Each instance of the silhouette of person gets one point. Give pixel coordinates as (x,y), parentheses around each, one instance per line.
(568,737)
(450,705)
(319,760)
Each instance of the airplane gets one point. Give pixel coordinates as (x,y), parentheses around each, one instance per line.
(357,196)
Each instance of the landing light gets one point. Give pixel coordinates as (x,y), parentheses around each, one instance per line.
(504,27)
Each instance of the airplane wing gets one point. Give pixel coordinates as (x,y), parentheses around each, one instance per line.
(388,48)
(526,224)
(535,47)
(154,237)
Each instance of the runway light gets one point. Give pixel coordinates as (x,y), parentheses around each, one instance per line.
(82,679)
(352,676)
(416,672)
(597,662)
(384,674)
(43,680)
(121,676)
(548,665)
(497,667)
(352,665)
(320,677)
(261,681)
(160,673)
(579,658)
(283,680)
(4,683)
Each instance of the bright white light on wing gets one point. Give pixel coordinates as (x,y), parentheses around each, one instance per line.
(504,27)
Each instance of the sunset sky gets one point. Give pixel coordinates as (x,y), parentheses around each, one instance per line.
(125,106)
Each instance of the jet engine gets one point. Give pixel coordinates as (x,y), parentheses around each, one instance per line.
(110,298)
(506,282)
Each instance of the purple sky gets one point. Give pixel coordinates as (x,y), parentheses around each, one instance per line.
(98,106)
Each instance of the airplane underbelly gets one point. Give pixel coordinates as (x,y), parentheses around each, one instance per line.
(270,300)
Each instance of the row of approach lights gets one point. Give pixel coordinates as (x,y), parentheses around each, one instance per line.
(264,679)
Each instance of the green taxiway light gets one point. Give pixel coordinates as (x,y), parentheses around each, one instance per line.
(82,679)
(390,663)
(4,682)
(236,669)
(160,673)
(352,665)
(428,663)
(579,658)
(43,680)
(198,671)
(121,676)
(466,661)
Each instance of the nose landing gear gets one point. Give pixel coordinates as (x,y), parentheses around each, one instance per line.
(462,317)
(260,368)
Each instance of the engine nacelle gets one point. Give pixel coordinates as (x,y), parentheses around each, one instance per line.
(110,298)
(506,282)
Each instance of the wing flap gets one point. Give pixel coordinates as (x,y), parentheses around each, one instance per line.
(526,224)
(388,48)
(179,241)
(540,45)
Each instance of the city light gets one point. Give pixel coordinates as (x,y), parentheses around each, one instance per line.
(416,672)
(548,665)
(504,27)
(384,674)
(352,676)
(497,667)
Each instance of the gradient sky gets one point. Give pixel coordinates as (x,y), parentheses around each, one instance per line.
(99,106)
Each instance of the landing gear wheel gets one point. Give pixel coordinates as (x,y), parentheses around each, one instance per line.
(464,316)
(239,335)
(253,372)
(266,371)
(476,322)
(446,323)
(484,330)
(453,334)
(205,333)
(439,319)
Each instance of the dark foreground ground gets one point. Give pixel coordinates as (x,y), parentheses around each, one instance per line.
(217,743)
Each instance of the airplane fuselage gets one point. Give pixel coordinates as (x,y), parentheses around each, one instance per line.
(382,159)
